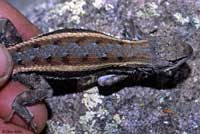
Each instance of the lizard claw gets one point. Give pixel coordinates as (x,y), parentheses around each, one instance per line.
(31,124)
(7,119)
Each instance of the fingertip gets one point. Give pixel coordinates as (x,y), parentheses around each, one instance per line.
(26,29)
(6,65)
(3,61)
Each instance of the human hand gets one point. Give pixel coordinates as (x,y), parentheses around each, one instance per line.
(12,88)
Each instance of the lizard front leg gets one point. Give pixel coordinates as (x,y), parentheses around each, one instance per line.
(39,90)
(111,79)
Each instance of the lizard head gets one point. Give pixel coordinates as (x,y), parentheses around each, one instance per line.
(170,53)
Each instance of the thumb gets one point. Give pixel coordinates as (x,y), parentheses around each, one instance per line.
(6,65)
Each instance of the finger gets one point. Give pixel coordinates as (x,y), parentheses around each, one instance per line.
(12,89)
(8,94)
(6,65)
(12,129)
(23,25)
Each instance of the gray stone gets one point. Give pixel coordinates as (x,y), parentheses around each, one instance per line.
(137,109)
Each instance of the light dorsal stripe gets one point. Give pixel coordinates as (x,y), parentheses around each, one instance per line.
(66,35)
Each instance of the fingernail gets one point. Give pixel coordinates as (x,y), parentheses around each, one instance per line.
(3,62)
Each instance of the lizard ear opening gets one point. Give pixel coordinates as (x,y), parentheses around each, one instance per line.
(111,79)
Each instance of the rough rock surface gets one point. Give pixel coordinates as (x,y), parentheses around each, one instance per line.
(137,109)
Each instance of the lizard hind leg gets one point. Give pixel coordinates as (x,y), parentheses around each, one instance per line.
(39,90)
(109,80)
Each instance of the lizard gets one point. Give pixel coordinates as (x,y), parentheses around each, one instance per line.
(90,57)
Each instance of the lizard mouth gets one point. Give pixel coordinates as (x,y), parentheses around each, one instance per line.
(176,63)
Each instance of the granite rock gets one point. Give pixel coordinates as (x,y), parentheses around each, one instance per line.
(136,109)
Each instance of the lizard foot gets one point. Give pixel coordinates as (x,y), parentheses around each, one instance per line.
(18,107)
(38,91)
(31,125)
